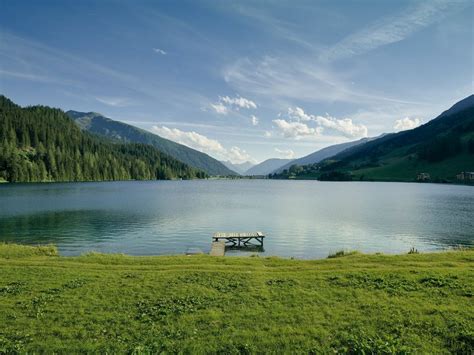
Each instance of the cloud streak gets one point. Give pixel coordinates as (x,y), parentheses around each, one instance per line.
(392,29)
(160,51)
(115,101)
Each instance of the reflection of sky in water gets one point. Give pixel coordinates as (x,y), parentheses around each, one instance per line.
(301,218)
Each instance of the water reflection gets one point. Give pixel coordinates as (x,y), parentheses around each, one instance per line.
(301,218)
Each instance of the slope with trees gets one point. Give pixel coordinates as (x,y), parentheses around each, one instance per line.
(103,126)
(40,143)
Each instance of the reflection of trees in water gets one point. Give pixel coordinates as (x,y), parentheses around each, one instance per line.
(57,226)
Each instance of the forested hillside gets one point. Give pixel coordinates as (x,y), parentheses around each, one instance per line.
(40,143)
(103,126)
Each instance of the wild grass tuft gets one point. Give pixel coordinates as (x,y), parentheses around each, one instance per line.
(341,253)
(8,250)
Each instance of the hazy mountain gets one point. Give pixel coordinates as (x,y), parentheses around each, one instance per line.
(39,143)
(321,154)
(98,124)
(268,166)
(442,148)
(238,168)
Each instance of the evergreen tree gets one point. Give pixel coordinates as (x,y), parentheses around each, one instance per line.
(43,144)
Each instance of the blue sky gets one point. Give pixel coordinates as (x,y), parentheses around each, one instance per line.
(242,80)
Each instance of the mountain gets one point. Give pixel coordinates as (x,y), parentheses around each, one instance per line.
(441,148)
(98,124)
(268,166)
(238,168)
(40,143)
(322,154)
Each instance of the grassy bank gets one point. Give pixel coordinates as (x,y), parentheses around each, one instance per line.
(420,303)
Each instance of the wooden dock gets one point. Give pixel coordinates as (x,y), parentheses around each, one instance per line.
(240,239)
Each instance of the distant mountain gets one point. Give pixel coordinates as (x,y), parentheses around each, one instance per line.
(238,168)
(40,143)
(98,124)
(322,154)
(441,148)
(268,166)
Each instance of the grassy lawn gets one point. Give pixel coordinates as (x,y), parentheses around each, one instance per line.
(417,303)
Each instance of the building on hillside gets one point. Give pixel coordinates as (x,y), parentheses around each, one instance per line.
(423,177)
(466,176)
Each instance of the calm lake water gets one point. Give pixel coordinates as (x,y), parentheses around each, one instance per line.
(303,219)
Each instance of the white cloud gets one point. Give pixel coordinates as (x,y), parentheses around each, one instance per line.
(296,130)
(115,101)
(298,114)
(285,153)
(393,29)
(220,108)
(237,155)
(160,51)
(299,125)
(227,104)
(344,126)
(254,120)
(406,123)
(267,134)
(203,144)
(239,102)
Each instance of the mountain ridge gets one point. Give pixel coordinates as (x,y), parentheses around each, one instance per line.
(321,154)
(101,125)
(267,166)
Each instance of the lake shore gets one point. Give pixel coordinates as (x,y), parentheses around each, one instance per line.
(418,303)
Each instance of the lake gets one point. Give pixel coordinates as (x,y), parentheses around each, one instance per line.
(303,219)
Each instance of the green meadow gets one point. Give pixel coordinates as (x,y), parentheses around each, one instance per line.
(350,303)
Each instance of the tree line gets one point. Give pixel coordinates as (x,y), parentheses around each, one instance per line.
(40,143)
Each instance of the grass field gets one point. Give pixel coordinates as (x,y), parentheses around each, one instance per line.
(416,303)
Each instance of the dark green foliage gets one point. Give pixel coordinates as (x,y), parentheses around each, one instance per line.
(335,176)
(43,144)
(12,288)
(159,310)
(341,253)
(470,146)
(296,171)
(440,148)
(362,344)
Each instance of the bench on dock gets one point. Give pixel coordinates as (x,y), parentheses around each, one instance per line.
(240,239)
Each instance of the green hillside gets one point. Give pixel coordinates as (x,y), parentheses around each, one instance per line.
(40,143)
(98,124)
(442,148)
